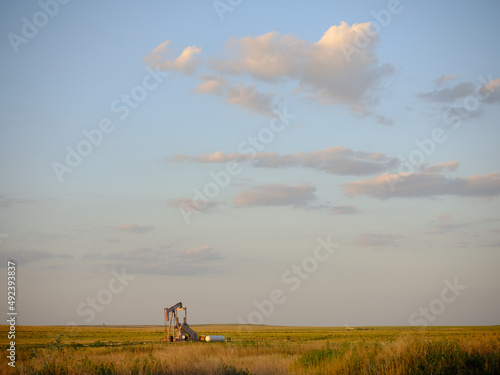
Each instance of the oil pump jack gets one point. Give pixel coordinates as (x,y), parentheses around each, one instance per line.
(177,331)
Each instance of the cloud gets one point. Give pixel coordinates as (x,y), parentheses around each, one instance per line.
(45,237)
(487,93)
(6,203)
(193,206)
(140,254)
(250,99)
(446,227)
(211,85)
(25,256)
(460,90)
(145,260)
(444,78)
(494,244)
(344,210)
(333,70)
(186,63)
(444,217)
(134,228)
(383,120)
(216,157)
(373,239)
(491,91)
(444,224)
(335,160)
(199,254)
(451,165)
(425,184)
(240,95)
(276,195)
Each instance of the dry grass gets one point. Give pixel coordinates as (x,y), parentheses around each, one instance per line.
(274,350)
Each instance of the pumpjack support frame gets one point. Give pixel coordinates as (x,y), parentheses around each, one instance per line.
(175,331)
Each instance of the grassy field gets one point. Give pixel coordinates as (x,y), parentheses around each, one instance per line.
(262,350)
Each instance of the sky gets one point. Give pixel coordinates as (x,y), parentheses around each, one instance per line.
(283,163)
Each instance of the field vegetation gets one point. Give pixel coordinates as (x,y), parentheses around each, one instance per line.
(141,350)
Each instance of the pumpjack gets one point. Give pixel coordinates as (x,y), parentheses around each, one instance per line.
(177,331)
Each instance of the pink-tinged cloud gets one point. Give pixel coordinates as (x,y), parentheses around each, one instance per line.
(335,160)
(212,84)
(332,70)
(378,239)
(186,63)
(424,184)
(444,78)
(491,91)
(134,228)
(245,96)
(444,217)
(199,254)
(449,166)
(276,195)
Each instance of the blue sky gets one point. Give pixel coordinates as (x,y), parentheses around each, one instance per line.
(338,97)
